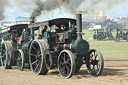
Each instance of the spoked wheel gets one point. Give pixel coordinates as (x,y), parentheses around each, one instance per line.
(36,57)
(66,63)
(48,60)
(20,60)
(117,39)
(127,37)
(6,55)
(111,38)
(0,60)
(94,62)
(0,54)
(100,37)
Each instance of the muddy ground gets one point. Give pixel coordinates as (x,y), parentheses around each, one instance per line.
(115,73)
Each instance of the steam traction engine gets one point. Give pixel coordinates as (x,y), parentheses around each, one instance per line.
(3,36)
(121,34)
(101,34)
(61,45)
(14,49)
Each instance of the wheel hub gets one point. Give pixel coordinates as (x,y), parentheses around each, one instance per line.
(65,63)
(38,56)
(94,62)
(19,59)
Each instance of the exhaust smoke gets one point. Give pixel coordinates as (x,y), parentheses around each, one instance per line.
(36,8)
(3,4)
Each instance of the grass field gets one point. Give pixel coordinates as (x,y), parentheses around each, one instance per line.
(111,50)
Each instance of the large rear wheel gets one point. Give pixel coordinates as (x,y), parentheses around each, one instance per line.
(94,62)
(66,64)
(100,37)
(6,55)
(36,57)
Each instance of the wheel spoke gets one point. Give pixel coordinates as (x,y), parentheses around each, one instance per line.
(3,56)
(91,56)
(61,63)
(19,59)
(63,69)
(93,69)
(35,49)
(68,68)
(4,61)
(34,62)
(97,67)
(33,54)
(96,56)
(3,50)
(36,67)
(68,60)
(19,64)
(38,47)
(39,54)
(64,57)
(94,53)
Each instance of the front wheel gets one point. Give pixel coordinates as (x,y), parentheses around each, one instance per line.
(20,60)
(66,64)
(117,39)
(94,62)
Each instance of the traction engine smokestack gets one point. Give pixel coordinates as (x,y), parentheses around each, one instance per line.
(79,24)
(32,20)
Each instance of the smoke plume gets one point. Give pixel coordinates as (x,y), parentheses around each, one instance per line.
(49,5)
(87,6)
(3,4)
(36,8)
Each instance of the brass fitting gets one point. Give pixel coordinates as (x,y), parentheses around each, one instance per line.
(80,12)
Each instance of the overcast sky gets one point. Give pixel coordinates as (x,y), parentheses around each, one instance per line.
(119,10)
(13,12)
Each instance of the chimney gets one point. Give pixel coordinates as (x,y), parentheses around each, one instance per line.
(32,20)
(79,24)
